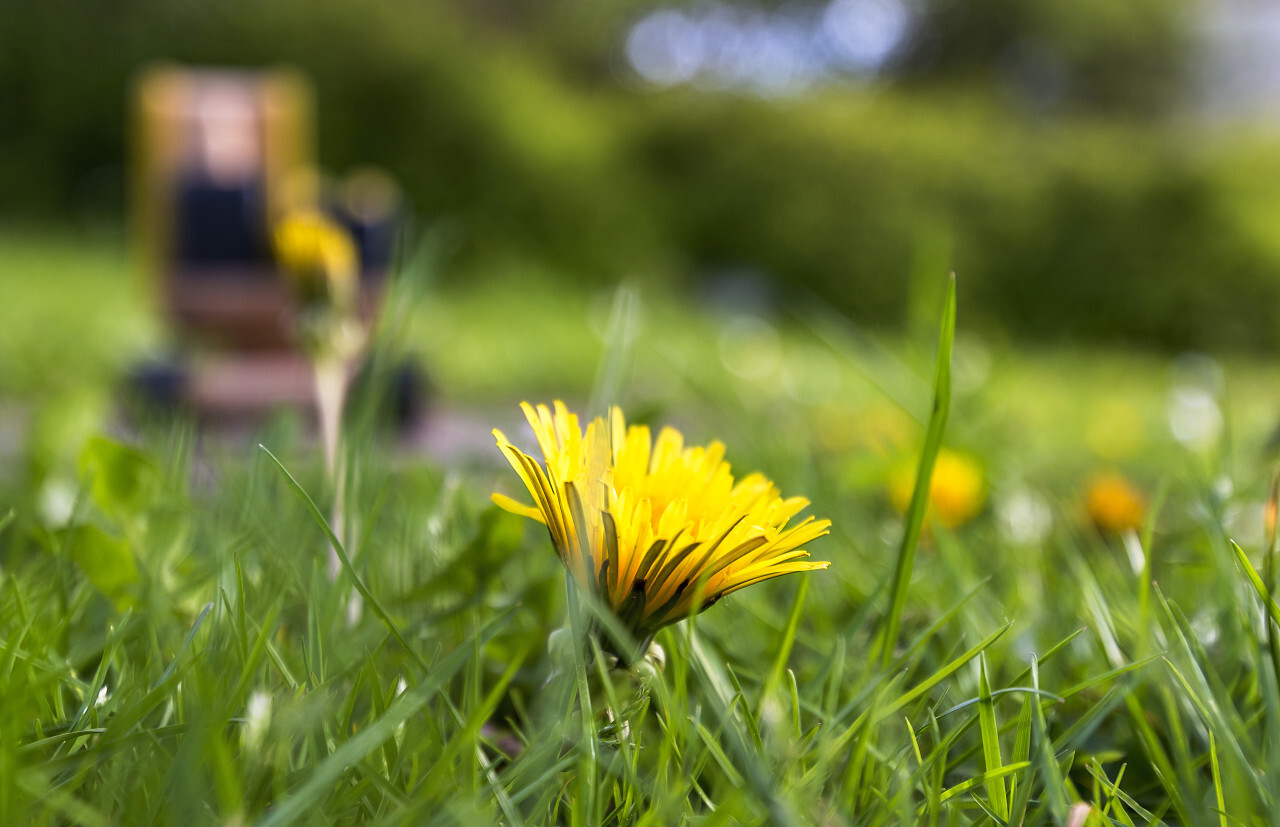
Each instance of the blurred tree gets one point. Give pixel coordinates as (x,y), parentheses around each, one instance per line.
(473,123)
(1119,57)
(520,123)
(1130,58)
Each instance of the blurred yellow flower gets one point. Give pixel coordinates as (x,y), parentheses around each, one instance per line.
(652,526)
(1269,510)
(1114,504)
(318,258)
(957,490)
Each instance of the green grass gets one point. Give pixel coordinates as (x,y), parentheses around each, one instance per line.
(172,650)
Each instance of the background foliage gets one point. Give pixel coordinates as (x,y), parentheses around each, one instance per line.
(1091,211)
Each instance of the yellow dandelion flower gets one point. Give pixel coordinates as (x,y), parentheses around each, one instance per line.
(318,258)
(957,490)
(650,526)
(1114,504)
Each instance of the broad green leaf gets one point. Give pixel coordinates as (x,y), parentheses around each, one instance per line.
(123,478)
(106,561)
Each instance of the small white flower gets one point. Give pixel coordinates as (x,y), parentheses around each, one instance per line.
(258,718)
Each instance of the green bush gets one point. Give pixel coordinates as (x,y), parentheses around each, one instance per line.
(475,127)
(1074,229)
(1065,226)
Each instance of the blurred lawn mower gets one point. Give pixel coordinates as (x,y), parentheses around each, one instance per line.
(221,157)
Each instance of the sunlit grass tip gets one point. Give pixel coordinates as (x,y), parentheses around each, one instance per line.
(654,528)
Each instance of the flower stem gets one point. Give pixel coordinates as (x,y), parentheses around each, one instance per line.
(331,393)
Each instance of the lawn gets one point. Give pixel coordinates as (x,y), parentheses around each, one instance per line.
(173,650)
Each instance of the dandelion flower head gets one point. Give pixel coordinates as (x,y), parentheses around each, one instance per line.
(318,258)
(654,528)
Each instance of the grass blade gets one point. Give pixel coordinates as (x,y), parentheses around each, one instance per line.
(943,673)
(784,647)
(924,477)
(1217,780)
(306,797)
(994,762)
(988,778)
(345,560)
